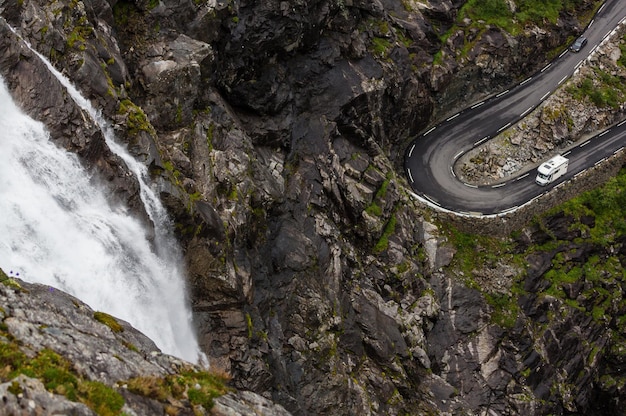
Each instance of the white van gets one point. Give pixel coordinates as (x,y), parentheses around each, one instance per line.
(551,170)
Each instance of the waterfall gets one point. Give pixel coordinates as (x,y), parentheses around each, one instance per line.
(58,228)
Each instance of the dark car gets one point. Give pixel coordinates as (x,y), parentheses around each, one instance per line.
(578,44)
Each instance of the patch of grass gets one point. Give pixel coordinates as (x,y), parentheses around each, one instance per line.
(374,209)
(58,376)
(383,241)
(109,321)
(606,204)
(493,12)
(179,114)
(54,372)
(104,400)
(210,131)
(381,47)
(505,309)
(498,13)
(474,251)
(538,11)
(602,89)
(199,387)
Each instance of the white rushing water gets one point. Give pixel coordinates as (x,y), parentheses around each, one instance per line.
(57,228)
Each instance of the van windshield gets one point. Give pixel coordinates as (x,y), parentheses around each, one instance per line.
(542,176)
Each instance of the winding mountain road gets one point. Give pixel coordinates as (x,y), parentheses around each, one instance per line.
(430,158)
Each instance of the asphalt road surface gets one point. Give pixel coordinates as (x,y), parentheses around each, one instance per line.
(430,158)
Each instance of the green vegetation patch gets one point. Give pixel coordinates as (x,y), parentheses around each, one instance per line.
(109,321)
(500,13)
(606,205)
(57,375)
(505,309)
(476,251)
(77,37)
(511,17)
(602,89)
(9,281)
(124,11)
(136,120)
(199,387)
(495,12)
(381,47)
(383,241)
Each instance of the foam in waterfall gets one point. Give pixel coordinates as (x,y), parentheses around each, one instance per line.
(57,228)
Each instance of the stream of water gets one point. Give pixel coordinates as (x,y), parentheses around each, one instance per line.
(58,228)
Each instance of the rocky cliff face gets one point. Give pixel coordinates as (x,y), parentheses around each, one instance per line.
(60,357)
(275,131)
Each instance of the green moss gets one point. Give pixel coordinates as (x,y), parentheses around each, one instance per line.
(493,12)
(55,372)
(606,204)
(77,37)
(15,388)
(484,14)
(109,321)
(232,195)
(597,313)
(11,360)
(499,13)
(136,119)
(12,283)
(383,241)
(477,251)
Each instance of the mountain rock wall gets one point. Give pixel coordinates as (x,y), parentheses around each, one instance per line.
(275,132)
